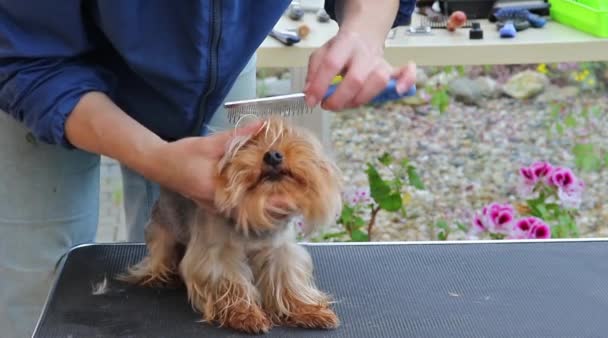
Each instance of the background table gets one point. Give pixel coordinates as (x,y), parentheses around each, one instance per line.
(553,43)
(545,288)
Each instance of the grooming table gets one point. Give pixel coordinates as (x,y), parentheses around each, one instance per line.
(550,288)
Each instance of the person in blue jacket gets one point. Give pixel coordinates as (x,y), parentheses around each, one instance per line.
(142,82)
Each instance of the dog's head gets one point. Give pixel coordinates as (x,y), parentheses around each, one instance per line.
(275,174)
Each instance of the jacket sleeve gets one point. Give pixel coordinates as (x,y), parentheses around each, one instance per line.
(41,93)
(403,17)
(42,75)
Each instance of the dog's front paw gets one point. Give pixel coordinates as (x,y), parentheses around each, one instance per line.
(249,319)
(313,317)
(308,315)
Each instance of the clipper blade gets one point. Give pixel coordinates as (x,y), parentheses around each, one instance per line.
(283,105)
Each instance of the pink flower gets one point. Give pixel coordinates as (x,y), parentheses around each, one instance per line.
(479,225)
(531,176)
(569,187)
(495,218)
(541,169)
(541,231)
(530,228)
(358,196)
(562,178)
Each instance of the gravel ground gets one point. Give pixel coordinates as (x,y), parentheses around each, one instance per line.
(467,157)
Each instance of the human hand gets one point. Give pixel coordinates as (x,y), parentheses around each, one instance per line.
(360,59)
(188,166)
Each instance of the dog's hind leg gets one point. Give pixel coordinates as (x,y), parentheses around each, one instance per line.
(166,233)
(159,267)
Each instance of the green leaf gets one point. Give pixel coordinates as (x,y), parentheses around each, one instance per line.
(462,227)
(442,236)
(559,128)
(441,224)
(461,70)
(381,191)
(445,229)
(331,235)
(386,159)
(358,222)
(570,121)
(440,100)
(586,158)
(414,178)
(542,210)
(359,236)
(346,215)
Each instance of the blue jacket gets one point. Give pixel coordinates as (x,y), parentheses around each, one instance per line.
(168,64)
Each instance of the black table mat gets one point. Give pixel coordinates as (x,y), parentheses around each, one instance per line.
(500,289)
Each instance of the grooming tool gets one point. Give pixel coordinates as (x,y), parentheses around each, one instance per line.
(294,104)
(519,25)
(539,7)
(285,37)
(507,30)
(511,14)
(439,21)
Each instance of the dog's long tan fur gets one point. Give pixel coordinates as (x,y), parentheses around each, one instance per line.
(240,262)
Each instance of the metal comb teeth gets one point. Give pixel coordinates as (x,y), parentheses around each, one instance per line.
(284,106)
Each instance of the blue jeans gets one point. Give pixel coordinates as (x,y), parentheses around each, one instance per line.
(49,203)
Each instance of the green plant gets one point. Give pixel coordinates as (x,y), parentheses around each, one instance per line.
(444,229)
(440,99)
(563,119)
(387,192)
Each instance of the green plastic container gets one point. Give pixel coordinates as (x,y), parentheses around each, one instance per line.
(590,16)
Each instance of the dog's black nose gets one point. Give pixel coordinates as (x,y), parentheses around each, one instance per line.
(273,158)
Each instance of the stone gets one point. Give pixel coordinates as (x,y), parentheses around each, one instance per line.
(420,98)
(421,78)
(525,85)
(422,110)
(441,79)
(558,94)
(465,90)
(488,86)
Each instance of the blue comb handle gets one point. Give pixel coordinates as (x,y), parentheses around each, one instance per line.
(388,94)
(536,21)
(505,14)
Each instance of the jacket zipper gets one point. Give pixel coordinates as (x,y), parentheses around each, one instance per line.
(216,25)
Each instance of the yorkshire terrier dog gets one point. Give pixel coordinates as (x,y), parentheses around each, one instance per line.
(240,262)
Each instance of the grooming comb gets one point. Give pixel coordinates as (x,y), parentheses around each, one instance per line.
(295,105)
